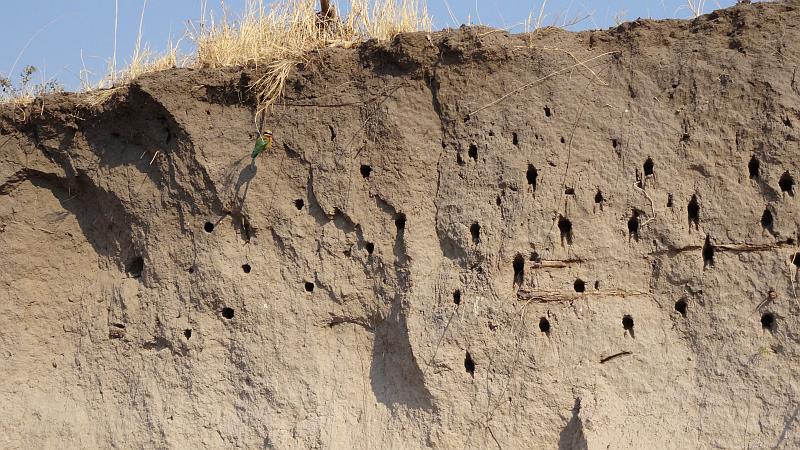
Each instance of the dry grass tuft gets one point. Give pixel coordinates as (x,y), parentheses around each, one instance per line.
(274,38)
(279,38)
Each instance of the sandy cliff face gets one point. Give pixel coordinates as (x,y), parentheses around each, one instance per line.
(459,239)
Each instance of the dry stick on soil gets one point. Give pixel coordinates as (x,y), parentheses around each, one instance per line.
(491,409)
(652,205)
(537,81)
(594,74)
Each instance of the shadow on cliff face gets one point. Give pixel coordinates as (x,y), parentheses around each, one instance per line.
(103,221)
(396,378)
(571,437)
(143,140)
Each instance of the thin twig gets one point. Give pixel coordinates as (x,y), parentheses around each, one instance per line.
(539,80)
(599,80)
(616,355)
(652,205)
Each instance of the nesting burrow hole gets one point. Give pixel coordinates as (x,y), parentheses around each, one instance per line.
(227,313)
(519,268)
(754,168)
(532,175)
(786,183)
(544,325)
(457,297)
(681,306)
(693,212)
(708,253)
(767,220)
(365,170)
(246,268)
(473,151)
(565,228)
(135,267)
(469,364)
(475,231)
(579,285)
(768,321)
(187,333)
(208,227)
(598,197)
(634,225)
(308,286)
(627,322)
(400,222)
(649,167)
(370,247)
(299,204)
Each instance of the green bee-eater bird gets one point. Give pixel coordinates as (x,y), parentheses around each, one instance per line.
(263,142)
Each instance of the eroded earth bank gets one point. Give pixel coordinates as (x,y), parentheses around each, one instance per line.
(460,239)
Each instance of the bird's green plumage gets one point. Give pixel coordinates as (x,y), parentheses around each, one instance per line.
(261,145)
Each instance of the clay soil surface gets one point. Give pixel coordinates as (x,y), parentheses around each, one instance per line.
(459,239)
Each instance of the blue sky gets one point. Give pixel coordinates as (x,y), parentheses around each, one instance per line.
(60,37)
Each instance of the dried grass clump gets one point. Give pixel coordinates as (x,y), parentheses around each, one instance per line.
(23,91)
(145,61)
(273,38)
(279,38)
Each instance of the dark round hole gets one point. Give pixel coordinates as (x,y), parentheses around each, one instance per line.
(532,174)
(209,227)
(309,286)
(475,230)
(786,183)
(754,167)
(365,170)
(633,224)
(597,285)
(227,313)
(649,167)
(565,227)
(580,285)
(188,332)
(544,325)
(246,268)
(598,197)
(400,221)
(796,259)
(457,296)
(680,306)
(370,247)
(299,204)
(627,322)
(135,267)
(473,151)
(768,321)
(535,257)
(191,270)
(469,364)
(767,221)
(519,268)
(693,211)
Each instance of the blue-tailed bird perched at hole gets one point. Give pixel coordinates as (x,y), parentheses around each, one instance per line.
(263,142)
